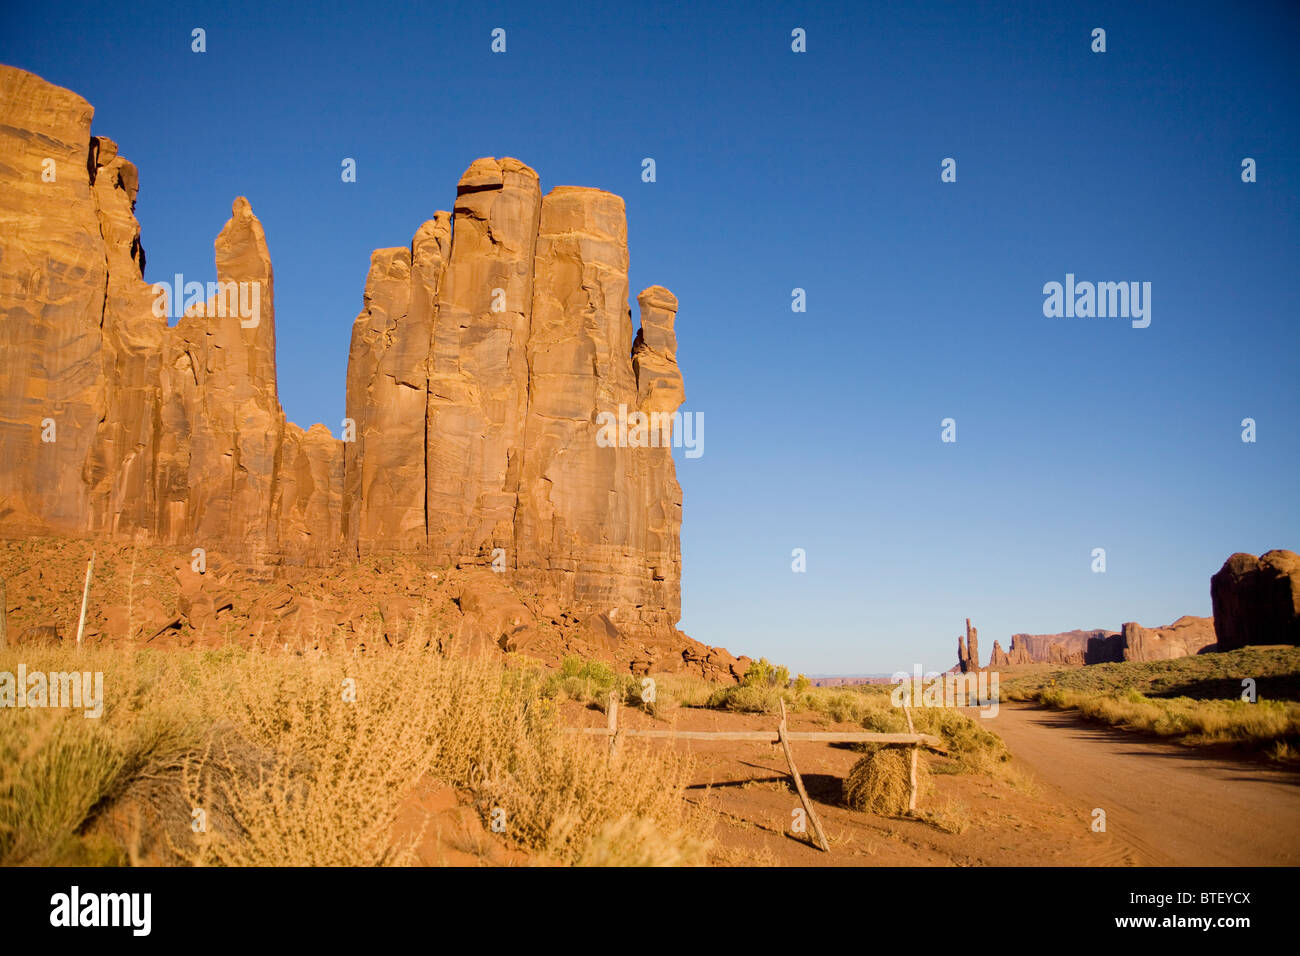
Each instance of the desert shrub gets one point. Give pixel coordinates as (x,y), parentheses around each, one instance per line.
(56,769)
(885,720)
(842,705)
(591,681)
(974,748)
(292,768)
(763,673)
(683,690)
(747,698)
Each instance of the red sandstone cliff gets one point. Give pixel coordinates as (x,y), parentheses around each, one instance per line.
(484,351)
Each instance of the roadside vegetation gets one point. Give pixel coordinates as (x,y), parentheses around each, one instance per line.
(1195,700)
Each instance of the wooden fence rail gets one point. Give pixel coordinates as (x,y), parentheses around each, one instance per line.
(781,736)
(773,737)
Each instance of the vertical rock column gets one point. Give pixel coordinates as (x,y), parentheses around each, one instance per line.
(478,366)
(222,423)
(387,394)
(660,392)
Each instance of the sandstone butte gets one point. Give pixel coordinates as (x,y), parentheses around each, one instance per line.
(483,352)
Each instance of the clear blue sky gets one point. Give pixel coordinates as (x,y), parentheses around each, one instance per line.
(819,170)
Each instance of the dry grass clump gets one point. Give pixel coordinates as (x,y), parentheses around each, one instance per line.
(297,760)
(747,699)
(880,781)
(973,748)
(592,681)
(952,817)
(637,841)
(683,690)
(58,768)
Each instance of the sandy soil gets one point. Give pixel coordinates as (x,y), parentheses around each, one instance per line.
(1166,804)
(970,820)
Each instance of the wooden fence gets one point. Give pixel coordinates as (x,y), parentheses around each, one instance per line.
(781,736)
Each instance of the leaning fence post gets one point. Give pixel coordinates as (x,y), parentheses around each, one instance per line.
(4,617)
(85,597)
(798,783)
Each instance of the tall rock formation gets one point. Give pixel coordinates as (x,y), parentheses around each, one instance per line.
(110,421)
(1257,600)
(510,322)
(223,428)
(485,358)
(968,653)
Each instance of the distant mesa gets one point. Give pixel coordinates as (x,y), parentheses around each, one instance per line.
(847,680)
(1187,635)
(1255,600)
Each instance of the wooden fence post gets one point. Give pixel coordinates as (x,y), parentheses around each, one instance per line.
(4,617)
(798,783)
(85,597)
(611,722)
(916,750)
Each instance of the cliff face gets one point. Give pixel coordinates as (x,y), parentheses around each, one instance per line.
(1185,637)
(483,355)
(55,294)
(1067,647)
(110,421)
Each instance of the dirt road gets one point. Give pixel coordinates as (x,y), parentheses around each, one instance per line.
(1170,804)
